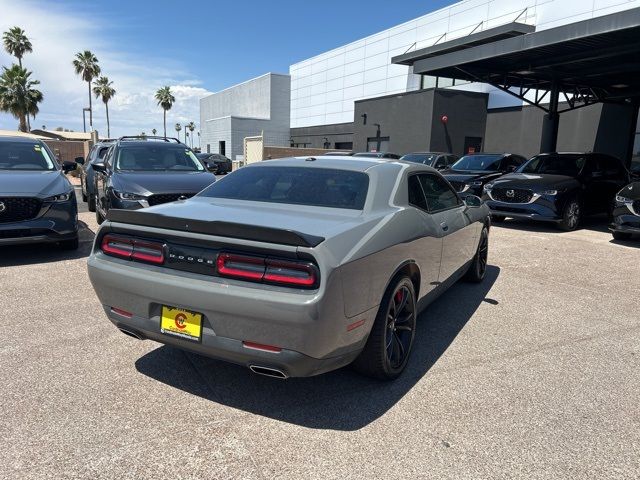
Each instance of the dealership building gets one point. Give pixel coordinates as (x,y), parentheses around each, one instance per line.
(480,75)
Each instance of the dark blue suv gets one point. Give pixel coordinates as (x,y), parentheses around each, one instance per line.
(140,172)
(37,202)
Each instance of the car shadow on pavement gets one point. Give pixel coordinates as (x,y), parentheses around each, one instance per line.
(339,400)
(598,223)
(11,256)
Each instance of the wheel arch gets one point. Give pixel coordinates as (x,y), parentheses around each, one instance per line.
(410,269)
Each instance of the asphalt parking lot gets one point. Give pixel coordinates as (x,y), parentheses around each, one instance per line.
(533,374)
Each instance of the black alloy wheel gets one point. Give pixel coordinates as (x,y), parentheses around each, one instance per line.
(388,347)
(478,268)
(571,215)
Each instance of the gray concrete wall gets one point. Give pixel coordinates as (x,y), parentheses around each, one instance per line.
(467,117)
(602,127)
(404,118)
(314,136)
(248,109)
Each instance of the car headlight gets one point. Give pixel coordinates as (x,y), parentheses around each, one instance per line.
(550,192)
(63,197)
(475,184)
(487,187)
(621,199)
(129,196)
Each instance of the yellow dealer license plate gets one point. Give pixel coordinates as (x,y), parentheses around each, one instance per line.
(181,323)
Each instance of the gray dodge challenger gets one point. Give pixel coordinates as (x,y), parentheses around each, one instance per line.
(293,267)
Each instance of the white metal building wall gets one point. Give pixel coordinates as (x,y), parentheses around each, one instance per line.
(323,88)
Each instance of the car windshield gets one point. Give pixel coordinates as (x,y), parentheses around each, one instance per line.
(569,165)
(157,158)
(635,165)
(25,156)
(321,187)
(478,162)
(426,159)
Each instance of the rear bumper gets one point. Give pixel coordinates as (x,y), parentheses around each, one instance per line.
(309,326)
(58,223)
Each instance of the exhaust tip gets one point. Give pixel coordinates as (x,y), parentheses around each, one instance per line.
(130,333)
(268,371)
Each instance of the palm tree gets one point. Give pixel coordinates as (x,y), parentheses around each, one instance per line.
(191,126)
(154,131)
(16,43)
(17,95)
(165,100)
(86,65)
(178,127)
(104,90)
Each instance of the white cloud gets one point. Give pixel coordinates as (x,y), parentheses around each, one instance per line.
(57,33)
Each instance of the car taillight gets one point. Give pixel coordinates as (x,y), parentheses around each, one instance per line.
(240,266)
(290,273)
(133,249)
(268,270)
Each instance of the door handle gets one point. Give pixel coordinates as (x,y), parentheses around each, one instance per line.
(444,226)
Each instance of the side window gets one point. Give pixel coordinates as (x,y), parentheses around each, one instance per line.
(611,167)
(440,195)
(451,159)
(416,195)
(440,162)
(108,157)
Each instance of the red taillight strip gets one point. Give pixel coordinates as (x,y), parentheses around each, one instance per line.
(268,270)
(240,266)
(133,249)
(260,346)
(290,273)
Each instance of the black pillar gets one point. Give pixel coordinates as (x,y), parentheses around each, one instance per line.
(550,123)
(632,132)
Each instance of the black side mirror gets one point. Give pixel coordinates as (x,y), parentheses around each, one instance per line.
(79,160)
(68,166)
(472,201)
(99,167)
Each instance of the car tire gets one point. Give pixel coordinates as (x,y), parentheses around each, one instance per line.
(91,203)
(498,218)
(478,268)
(72,244)
(621,235)
(571,215)
(387,351)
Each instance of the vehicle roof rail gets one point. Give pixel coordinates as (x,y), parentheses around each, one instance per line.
(150,137)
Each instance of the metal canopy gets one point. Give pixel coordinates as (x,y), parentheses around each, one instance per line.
(592,61)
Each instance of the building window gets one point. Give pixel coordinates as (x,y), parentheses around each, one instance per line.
(344,145)
(208,148)
(427,81)
(222,148)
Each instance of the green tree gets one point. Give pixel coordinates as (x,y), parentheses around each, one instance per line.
(178,127)
(191,126)
(103,89)
(18,95)
(165,100)
(16,43)
(86,65)
(154,131)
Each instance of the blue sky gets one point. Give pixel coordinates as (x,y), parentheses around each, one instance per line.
(196,47)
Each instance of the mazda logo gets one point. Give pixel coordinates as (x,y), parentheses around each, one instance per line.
(3,207)
(511,193)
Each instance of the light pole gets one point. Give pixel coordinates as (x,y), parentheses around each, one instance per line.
(84,118)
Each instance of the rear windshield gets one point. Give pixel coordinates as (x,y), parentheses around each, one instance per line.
(24,156)
(569,165)
(478,162)
(321,187)
(148,157)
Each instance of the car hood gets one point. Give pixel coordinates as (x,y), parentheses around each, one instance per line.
(631,191)
(33,184)
(468,175)
(148,183)
(535,181)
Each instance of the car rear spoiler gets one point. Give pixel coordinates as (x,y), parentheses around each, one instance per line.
(221,229)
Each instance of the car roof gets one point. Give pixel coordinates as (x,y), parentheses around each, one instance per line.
(356,164)
(4,138)
(429,153)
